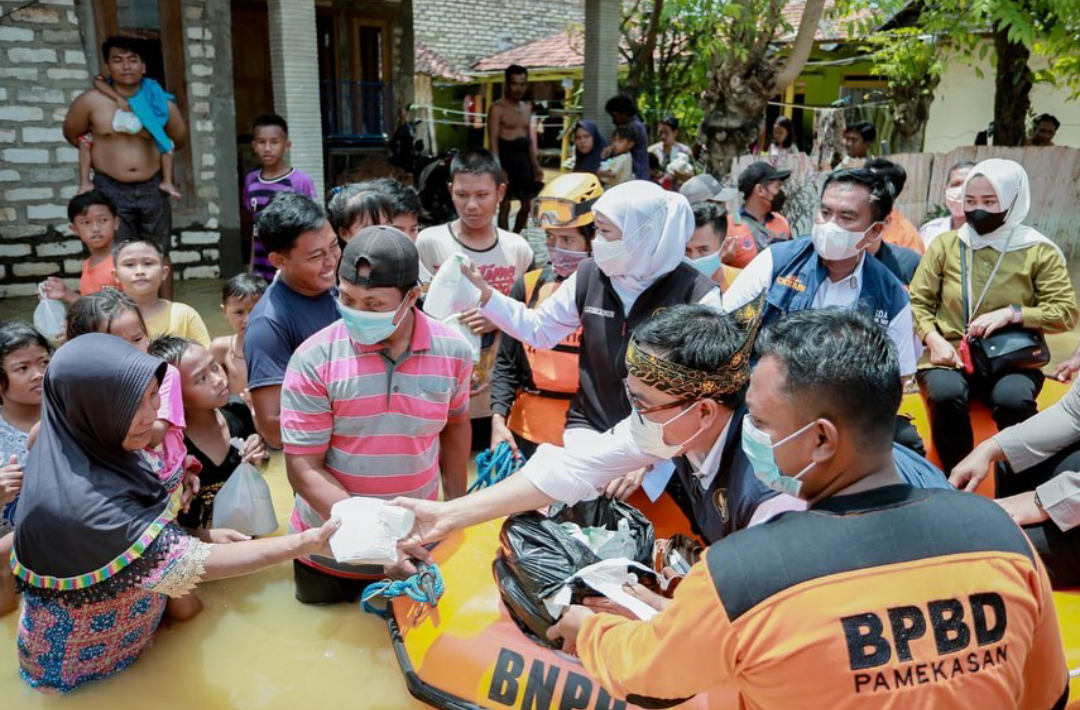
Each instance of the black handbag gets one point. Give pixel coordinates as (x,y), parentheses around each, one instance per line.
(1013,347)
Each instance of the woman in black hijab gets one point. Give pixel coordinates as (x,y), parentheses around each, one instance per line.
(96,550)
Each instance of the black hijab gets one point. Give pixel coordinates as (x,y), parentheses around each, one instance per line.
(589,163)
(88,508)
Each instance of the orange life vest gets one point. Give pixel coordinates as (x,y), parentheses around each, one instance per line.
(539,412)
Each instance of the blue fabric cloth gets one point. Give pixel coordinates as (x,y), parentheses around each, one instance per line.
(279,323)
(589,163)
(640,151)
(917,471)
(151,105)
(798,272)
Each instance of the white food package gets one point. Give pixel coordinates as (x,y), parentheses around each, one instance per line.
(608,578)
(450,295)
(370,531)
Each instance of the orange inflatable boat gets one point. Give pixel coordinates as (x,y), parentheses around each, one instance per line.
(468,653)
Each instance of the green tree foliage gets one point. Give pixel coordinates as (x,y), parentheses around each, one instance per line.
(911,64)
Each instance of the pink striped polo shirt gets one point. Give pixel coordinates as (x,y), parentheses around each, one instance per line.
(376,421)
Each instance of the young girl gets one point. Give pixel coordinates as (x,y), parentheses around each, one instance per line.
(113,312)
(24,354)
(355,206)
(238,298)
(213,420)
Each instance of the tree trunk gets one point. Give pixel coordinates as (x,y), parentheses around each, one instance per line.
(1012,91)
(735,105)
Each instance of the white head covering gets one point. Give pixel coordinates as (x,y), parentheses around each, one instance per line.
(656,225)
(1010,183)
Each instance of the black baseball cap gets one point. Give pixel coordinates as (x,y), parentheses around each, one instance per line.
(757,174)
(389,252)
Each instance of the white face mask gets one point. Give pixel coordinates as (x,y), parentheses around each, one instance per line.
(952,201)
(834,243)
(649,435)
(611,257)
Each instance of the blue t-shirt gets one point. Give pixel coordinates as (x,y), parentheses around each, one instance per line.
(280,322)
(917,471)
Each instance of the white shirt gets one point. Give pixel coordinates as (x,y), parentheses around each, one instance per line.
(935,228)
(575,474)
(757,277)
(555,318)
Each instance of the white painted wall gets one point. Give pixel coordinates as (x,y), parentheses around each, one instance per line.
(964,105)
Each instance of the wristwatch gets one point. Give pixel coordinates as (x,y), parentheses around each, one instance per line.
(1017,313)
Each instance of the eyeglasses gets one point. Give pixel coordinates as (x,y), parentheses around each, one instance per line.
(640,409)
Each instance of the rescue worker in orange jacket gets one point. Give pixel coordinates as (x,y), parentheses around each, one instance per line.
(531,388)
(879,595)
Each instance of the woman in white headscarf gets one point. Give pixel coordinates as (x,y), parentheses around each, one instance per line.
(992,273)
(636,267)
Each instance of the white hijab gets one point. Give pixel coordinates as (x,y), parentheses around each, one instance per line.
(656,225)
(1010,183)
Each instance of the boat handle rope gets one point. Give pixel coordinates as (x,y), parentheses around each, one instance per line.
(426,586)
(494,465)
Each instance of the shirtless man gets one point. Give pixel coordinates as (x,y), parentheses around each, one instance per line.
(127,167)
(510,129)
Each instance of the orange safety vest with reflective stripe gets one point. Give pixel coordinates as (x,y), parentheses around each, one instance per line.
(539,412)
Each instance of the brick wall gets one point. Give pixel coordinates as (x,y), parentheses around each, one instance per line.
(465,30)
(44,53)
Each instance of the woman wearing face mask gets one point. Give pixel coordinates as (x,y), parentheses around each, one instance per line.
(636,267)
(955,219)
(990,274)
(531,388)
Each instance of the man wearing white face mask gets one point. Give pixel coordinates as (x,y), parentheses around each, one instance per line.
(879,596)
(830,267)
(375,404)
(953,202)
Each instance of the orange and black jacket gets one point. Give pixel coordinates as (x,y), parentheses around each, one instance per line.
(892,598)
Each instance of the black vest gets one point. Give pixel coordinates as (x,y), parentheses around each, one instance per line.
(600,402)
(732,497)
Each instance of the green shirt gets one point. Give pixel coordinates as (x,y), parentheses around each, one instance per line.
(1034,278)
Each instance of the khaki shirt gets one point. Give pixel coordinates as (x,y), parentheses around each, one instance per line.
(1034,278)
(1033,441)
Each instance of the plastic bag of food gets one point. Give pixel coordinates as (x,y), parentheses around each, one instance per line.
(451,293)
(538,555)
(370,531)
(50,318)
(244,504)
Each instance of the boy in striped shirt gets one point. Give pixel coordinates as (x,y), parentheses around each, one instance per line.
(376,404)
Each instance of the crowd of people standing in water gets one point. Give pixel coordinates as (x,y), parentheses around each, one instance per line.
(762,371)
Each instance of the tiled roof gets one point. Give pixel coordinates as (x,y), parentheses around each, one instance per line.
(561,50)
(430,62)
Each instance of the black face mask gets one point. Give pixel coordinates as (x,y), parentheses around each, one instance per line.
(778,201)
(984,222)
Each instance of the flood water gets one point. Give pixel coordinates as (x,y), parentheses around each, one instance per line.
(255,648)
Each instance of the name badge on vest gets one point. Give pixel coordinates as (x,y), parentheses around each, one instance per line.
(720,501)
(597,311)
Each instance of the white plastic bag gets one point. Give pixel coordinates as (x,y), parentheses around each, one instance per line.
(50,317)
(243,503)
(451,292)
(450,295)
(370,531)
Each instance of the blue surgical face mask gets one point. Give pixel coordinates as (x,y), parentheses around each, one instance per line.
(708,264)
(369,327)
(758,447)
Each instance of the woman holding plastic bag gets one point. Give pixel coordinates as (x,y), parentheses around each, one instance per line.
(95,536)
(636,267)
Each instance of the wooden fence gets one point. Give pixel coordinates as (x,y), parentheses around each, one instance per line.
(1054,174)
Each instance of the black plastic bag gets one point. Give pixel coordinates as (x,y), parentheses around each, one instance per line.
(537,556)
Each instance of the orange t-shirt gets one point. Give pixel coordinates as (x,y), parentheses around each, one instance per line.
(900,231)
(96,277)
(740,246)
(881,600)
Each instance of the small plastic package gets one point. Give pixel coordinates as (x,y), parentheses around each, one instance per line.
(370,531)
(244,503)
(50,318)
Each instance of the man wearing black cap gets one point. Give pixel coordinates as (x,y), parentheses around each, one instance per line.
(759,223)
(376,404)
